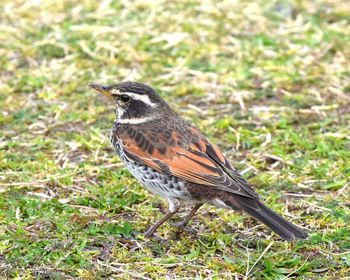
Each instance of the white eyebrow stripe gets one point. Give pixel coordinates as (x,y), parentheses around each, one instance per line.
(134,120)
(141,97)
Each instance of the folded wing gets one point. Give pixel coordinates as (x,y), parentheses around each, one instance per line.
(185,154)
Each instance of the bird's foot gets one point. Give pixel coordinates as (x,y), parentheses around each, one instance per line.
(182,226)
(149,232)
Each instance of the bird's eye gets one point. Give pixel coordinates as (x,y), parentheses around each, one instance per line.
(125,98)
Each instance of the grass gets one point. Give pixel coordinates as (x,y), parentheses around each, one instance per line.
(268,81)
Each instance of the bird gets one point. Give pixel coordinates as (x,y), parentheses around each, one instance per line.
(171,158)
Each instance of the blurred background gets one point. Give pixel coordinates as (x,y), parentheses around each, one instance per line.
(267,80)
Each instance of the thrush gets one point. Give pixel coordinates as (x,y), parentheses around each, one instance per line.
(171,158)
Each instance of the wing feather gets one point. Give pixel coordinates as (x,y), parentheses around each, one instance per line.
(187,155)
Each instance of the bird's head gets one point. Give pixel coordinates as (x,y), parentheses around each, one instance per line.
(135,102)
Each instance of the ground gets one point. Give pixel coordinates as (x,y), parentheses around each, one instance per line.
(267,81)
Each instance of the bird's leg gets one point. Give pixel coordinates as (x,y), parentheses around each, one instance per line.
(188,217)
(174,206)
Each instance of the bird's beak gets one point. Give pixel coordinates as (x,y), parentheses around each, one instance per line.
(100,88)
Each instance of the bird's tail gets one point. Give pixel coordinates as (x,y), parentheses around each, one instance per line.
(279,225)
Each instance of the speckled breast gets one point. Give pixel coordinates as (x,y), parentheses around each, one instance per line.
(154,181)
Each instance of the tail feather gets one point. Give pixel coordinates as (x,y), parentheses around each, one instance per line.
(279,225)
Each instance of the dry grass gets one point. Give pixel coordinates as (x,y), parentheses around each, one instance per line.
(268,81)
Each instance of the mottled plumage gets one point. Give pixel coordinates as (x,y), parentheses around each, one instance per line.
(173,159)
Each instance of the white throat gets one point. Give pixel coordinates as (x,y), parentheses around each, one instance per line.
(134,120)
(120,112)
